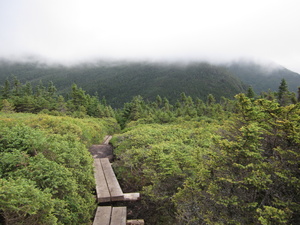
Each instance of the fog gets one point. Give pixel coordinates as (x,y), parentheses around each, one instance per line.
(74,31)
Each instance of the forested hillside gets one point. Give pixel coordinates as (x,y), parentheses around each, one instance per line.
(264,77)
(119,82)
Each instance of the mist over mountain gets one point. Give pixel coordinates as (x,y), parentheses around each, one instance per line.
(119,81)
(264,76)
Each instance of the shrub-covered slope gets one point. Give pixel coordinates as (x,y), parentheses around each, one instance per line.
(239,169)
(46,172)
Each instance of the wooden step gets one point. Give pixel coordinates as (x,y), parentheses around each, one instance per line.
(107,215)
(107,186)
(135,222)
(103,215)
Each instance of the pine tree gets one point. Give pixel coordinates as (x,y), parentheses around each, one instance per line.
(283,93)
(210,100)
(6,89)
(250,93)
(158,100)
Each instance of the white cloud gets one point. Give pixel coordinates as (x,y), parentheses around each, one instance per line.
(187,29)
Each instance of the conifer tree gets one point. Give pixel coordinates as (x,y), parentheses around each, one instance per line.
(16,87)
(6,89)
(250,92)
(283,93)
(210,100)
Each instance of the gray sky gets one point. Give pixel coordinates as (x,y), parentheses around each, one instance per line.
(216,30)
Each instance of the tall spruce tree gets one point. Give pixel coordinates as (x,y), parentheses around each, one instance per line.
(283,93)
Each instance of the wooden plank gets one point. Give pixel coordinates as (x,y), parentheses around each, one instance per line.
(131,196)
(103,215)
(135,222)
(107,139)
(103,194)
(118,216)
(115,190)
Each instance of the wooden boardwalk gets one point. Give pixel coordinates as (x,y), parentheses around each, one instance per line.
(107,186)
(108,190)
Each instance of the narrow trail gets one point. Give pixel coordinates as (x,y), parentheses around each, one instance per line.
(104,150)
(108,190)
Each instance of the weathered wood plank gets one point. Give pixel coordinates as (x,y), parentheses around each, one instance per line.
(103,194)
(131,196)
(115,190)
(118,216)
(107,139)
(135,222)
(103,215)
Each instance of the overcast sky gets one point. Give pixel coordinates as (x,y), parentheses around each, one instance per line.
(216,30)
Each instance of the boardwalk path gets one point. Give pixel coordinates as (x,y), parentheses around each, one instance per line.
(108,188)
(102,151)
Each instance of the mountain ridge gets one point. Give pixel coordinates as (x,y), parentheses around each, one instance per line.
(119,81)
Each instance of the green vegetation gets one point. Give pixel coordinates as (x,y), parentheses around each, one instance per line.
(234,162)
(195,161)
(24,98)
(46,173)
(119,82)
(262,78)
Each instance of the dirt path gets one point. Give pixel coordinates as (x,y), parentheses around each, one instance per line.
(105,150)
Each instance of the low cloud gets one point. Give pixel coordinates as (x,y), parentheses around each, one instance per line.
(216,31)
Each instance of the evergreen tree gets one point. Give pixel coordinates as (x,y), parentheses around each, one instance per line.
(6,89)
(283,93)
(250,92)
(183,98)
(27,89)
(211,100)
(79,98)
(51,91)
(158,100)
(16,87)
(40,89)
(166,104)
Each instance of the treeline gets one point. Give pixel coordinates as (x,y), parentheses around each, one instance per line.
(161,111)
(18,97)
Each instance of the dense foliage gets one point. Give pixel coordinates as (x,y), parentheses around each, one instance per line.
(24,98)
(239,166)
(195,160)
(159,158)
(46,172)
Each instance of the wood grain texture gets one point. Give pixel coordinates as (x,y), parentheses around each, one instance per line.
(103,194)
(135,222)
(103,215)
(115,190)
(118,216)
